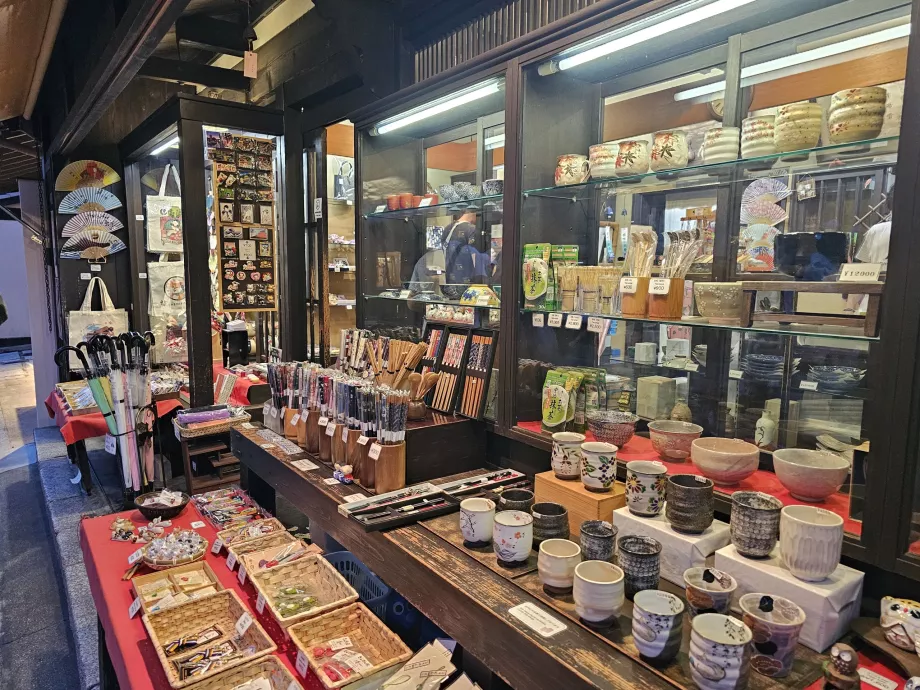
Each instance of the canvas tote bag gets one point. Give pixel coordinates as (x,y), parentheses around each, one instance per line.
(84,323)
(164,217)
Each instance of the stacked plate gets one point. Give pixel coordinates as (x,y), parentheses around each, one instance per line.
(764,367)
(834,379)
(699,354)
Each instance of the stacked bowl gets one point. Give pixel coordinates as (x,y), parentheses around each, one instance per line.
(797,126)
(721,144)
(833,379)
(856,114)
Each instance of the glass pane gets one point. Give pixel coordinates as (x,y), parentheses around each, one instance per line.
(341,269)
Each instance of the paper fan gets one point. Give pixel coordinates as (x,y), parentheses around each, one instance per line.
(88,199)
(761,211)
(91,220)
(93,245)
(81,174)
(766,188)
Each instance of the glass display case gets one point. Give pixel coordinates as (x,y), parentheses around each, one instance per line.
(704,215)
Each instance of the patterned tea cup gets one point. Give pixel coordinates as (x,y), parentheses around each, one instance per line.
(657,624)
(775,623)
(646,482)
(566,458)
(708,591)
(598,465)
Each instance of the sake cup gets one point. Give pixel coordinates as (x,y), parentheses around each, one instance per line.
(598,592)
(556,564)
(512,537)
(657,625)
(477,521)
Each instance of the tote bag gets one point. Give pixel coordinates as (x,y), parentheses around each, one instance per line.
(164,218)
(84,323)
(167,310)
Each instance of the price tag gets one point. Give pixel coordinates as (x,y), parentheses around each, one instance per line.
(808,385)
(555,320)
(231,561)
(362,440)
(659,286)
(374,452)
(241,576)
(85,276)
(323,421)
(344,434)
(142,276)
(596,324)
(628,285)
(698,478)
(381,208)
(483,301)
(305,465)
(330,481)
(250,64)
(260,603)
(348,307)
(340,643)
(247,425)
(318,208)
(330,430)
(266,446)
(95,268)
(265,409)
(876,680)
(295,419)
(243,623)
(735,373)
(135,607)
(217,546)
(573,322)
(537,619)
(425,202)
(136,556)
(691,366)
(138,216)
(274,413)
(303,664)
(110,444)
(355,660)
(537,320)
(354,497)
(404,294)
(859,273)
(198,524)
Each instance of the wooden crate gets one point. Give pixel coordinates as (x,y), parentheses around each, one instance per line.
(582,504)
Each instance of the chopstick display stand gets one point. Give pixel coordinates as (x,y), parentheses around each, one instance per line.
(325,442)
(338,444)
(389,463)
(634,295)
(301,428)
(357,458)
(669,304)
(312,432)
(290,430)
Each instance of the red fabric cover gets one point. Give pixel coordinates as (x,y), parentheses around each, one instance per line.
(239,397)
(80,427)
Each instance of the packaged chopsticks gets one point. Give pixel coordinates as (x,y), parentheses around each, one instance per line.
(386,361)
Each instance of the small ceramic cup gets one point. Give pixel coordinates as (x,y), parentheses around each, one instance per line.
(512,538)
(550,521)
(598,540)
(657,625)
(493,187)
(810,541)
(556,564)
(392,202)
(720,652)
(640,559)
(645,487)
(775,623)
(598,465)
(689,507)
(477,521)
(571,168)
(755,523)
(708,591)
(566,459)
(405,200)
(516,499)
(598,592)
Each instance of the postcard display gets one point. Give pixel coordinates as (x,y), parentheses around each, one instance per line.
(245,220)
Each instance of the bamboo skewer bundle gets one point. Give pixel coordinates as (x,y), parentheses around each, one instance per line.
(587,282)
(609,286)
(640,255)
(568,284)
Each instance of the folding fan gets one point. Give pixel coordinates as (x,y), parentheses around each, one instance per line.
(81,174)
(93,245)
(762,211)
(88,199)
(91,220)
(766,188)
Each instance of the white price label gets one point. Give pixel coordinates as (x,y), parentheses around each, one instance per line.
(198,524)
(596,324)
(266,446)
(573,321)
(354,497)
(231,561)
(85,276)
(859,273)
(537,619)
(659,286)
(808,385)
(95,267)
(110,444)
(537,320)
(425,202)
(305,465)
(691,366)
(628,285)
(362,440)
(337,268)
(344,434)
(241,576)
(330,430)
(348,307)
(138,216)
(340,643)
(136,556)
(303,664)
(265,408)
(323,421)
(355,660)
(243,623)
(483,301)
(217,546)
(876,680)
(135,607)
(555,320)
(260,603)
(405,294)
(247,425)
(294,419)
(330,481)
(318,208)
(381,208)
(735,373)
(274,413)
(374,452)
(142,276)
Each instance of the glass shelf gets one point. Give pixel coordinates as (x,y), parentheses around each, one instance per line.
(478,205)
(850,156)
(440,300)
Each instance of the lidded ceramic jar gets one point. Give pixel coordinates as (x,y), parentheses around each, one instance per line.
(566,458)
(757,136)
(856,114)
(669,150)
(603,160)
(720,144)
(632,158)
(797,126)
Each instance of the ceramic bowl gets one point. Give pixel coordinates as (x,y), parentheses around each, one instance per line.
(810,475)
(726,461)
(645,487)
(632,158)
(810,541)
(657,625)
(720,652)
(556,563)
(493,187)
(672,440)
(797,126)
(453,290)
(612,426)
(719,300)
(689,507)
(448,193)
(721,144)
(516,499)
(571,168)
(755,523)
(598,591)
(598,465)
(512,538)
(477,521)
(757,136)
(550,521)
(775,624)
(669,150)
(598,540)
(566,458)
(603,160)
(856,114)
(709,590)
(640,559)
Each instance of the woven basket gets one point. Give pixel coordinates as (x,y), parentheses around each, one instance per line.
(317,576)
(239,549)
(223,610)
(138,582)
(368,634)
(184,433)
(238,535)
(163,565)
(269,667)
(252,559)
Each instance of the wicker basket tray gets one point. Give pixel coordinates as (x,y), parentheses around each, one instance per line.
(318,577)
(368,634)
(252,559)
(223,610)
(241,548)
(239,535)
(183,433)
(164,565)
(173,575)
(269,667)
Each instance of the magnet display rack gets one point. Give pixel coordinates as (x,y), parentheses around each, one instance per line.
(451,363)
(475,385)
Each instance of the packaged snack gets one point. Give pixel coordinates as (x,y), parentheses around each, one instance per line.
(535,274)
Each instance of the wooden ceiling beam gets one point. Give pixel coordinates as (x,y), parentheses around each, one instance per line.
(182,72)
(211,35)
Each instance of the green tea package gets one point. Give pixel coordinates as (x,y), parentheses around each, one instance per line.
(535,275)
(555,401)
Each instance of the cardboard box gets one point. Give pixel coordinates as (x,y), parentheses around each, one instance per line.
(678,551)
(829,605)
(582,504)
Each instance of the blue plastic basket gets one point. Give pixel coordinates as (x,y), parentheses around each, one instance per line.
(371,589)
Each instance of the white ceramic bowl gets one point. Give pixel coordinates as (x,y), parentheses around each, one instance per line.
(726,461)
(810,475)
(671,439)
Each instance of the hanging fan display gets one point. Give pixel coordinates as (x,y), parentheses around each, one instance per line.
(767,188)
(88,199)
(153,180)
(762,211)
(92,245)
(91,220)
(81,174)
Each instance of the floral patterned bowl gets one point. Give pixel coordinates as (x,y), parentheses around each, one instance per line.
(672,440)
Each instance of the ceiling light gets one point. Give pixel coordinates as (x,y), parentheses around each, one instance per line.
(439,106)
(171,144)
(495,142)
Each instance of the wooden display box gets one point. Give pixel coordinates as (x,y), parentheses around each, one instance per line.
(441,445)
(582,504)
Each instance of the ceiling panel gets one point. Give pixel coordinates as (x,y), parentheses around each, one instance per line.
(22,26)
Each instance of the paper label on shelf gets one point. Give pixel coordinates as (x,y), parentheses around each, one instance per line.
(354,497)
(294,419)
(404,294)
(362,440)
(302,664)
(260,603)
(142,276)
(596,324)
(659,286)
(348,307)
(138,216)
(425,202)
(537,619)
(95,267)
(247,425)
(735,373)
(337,268)
(330,481)
(859,273)
(344,434)
(243,623)
(555,320)
(318,208)
(573,321)
(274,413)
(808,385)
(700,479)
(691,366)
(537,320)
(85,276)
(266,446)
(355,660)
(628,285)
(231,561)
(374,452)
(483,300)
(340,643)
(323,421)
(135,607)
(136,556)
(241,576)
(265,408)
(110,444)
(217,546)
(198,524)
(330,430)
(305,465)
(876,680)
(381,208)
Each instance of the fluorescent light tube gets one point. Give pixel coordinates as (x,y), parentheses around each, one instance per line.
(172,143)
(494,142)
(438,107)
(627,40)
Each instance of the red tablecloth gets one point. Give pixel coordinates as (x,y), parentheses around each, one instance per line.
(80,427)
(133,656)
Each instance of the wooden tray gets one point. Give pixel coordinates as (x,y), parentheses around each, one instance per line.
(238,535)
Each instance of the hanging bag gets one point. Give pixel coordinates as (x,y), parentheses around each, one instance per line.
(164,217)
(84,323)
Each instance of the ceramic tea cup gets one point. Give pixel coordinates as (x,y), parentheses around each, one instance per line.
(810,541)
(775,623)
(512,537)
(640,559)
(556,564)
(598,592)
(477,521)
(720,652)
(516,499)
(598,465)
(598,540)
(755,523)
(689,506)
(708,590)
(657,625)
(566,458)
(645,487)
(493,187)
(571,168)
(550,521)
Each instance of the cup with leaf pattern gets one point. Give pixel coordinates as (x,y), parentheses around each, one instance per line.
(598,465)
(646,483)
(566,459)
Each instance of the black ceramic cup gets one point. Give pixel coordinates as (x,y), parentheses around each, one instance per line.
(550,521)
(689,506)
(598,540)
(516,499)
(640,560)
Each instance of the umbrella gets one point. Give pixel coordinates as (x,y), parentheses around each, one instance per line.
(127,441)
(94,380)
